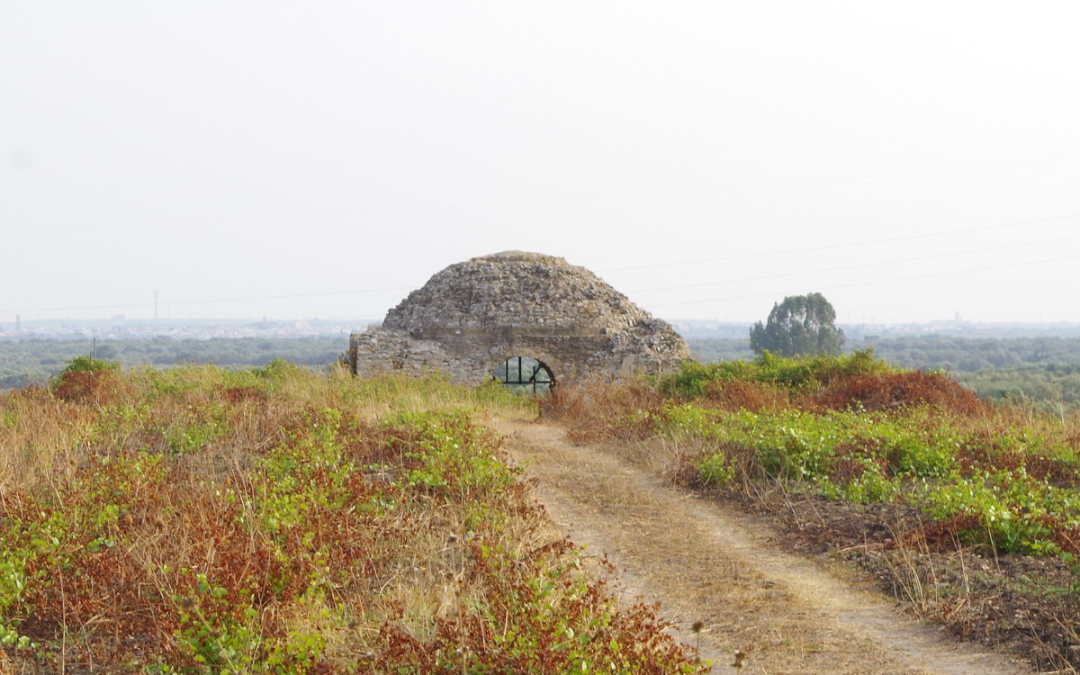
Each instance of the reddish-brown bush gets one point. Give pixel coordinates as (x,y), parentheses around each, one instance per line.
(942,536)
(735,395)
(98,387)
(888,390)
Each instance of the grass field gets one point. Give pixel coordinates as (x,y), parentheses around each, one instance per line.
(967,510)
(275,520)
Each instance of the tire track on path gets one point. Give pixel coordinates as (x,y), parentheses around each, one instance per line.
(706,563)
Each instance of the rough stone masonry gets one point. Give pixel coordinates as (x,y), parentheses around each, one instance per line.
(473,316)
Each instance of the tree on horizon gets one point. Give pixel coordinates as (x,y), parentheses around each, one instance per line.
(800,325)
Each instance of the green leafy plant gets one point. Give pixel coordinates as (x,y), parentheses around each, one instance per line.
(265,522)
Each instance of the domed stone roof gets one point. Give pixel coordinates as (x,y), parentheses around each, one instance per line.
(527,291)
(471,317)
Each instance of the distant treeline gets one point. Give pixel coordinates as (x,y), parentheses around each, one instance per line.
(29,361)
(708,350)
(1019,369)
(1041,369)
(969,355)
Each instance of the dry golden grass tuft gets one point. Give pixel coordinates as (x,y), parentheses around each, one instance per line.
(600,410)
(40,438)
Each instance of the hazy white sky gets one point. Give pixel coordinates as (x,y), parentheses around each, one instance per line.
(910,160)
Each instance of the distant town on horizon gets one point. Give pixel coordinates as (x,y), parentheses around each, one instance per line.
(119,327)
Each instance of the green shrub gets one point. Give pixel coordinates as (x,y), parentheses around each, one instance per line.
(796,373)
(86,364)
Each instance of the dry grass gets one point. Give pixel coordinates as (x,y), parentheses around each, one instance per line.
(602,410)
(39,437)
(707,564)
(280,521)
(892,389)
(927,564)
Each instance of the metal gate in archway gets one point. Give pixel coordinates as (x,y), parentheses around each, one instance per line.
(526,375)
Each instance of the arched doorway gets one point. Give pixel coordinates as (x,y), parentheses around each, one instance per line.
(526,375)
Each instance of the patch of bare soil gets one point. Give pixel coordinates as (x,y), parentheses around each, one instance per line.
(708,561)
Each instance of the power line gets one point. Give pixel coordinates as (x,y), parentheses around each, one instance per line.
(829,247)
(209,302)
(875,282)
(856,267)
(541,202)
(660,265)
(668,288)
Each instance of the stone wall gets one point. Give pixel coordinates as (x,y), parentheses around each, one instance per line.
(471,317)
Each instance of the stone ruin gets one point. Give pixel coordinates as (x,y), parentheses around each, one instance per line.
(560,322)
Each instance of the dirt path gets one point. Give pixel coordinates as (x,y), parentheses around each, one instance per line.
(705,563)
